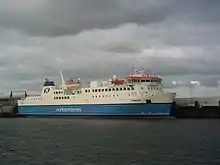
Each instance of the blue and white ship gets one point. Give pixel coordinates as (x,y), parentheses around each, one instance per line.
(136,94)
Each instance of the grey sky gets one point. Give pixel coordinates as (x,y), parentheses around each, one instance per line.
(97,38)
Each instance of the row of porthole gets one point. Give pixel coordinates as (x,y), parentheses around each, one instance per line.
(61,98)
(67,97)
(104,96)
(36,98)
(145,80)
(100,90)
(109,89)
(58,92)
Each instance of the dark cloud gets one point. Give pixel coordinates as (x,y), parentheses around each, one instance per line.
(178,39)
(57,18)
(122,47)
(198,11)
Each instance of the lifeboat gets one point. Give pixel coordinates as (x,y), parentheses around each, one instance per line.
(117,81)
(71,82)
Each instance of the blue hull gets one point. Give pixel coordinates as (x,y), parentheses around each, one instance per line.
(139,109)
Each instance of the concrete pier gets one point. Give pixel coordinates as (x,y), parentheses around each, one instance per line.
(200,107)
(8,111)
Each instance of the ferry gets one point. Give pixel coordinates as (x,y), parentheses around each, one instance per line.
(135,94)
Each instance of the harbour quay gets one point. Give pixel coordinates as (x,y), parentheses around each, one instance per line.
(196,107)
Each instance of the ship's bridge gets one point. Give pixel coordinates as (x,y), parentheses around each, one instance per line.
(48,83)
(132,79)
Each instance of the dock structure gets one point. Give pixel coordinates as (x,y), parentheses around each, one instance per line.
(202,101)
(8,104)
(200,107)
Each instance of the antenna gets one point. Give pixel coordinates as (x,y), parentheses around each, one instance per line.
(62,80)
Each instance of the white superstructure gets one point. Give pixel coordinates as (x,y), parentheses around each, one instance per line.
(135,88)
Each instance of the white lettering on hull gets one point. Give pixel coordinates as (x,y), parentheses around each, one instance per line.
(69,110)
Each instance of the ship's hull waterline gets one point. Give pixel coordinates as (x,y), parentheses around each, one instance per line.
(129,110)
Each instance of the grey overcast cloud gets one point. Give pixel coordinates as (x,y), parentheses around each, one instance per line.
(92,39)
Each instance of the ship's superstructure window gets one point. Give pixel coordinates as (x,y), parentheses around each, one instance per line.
(103,96)
(59,98)
(108,89)
(49,83)
(58,92)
